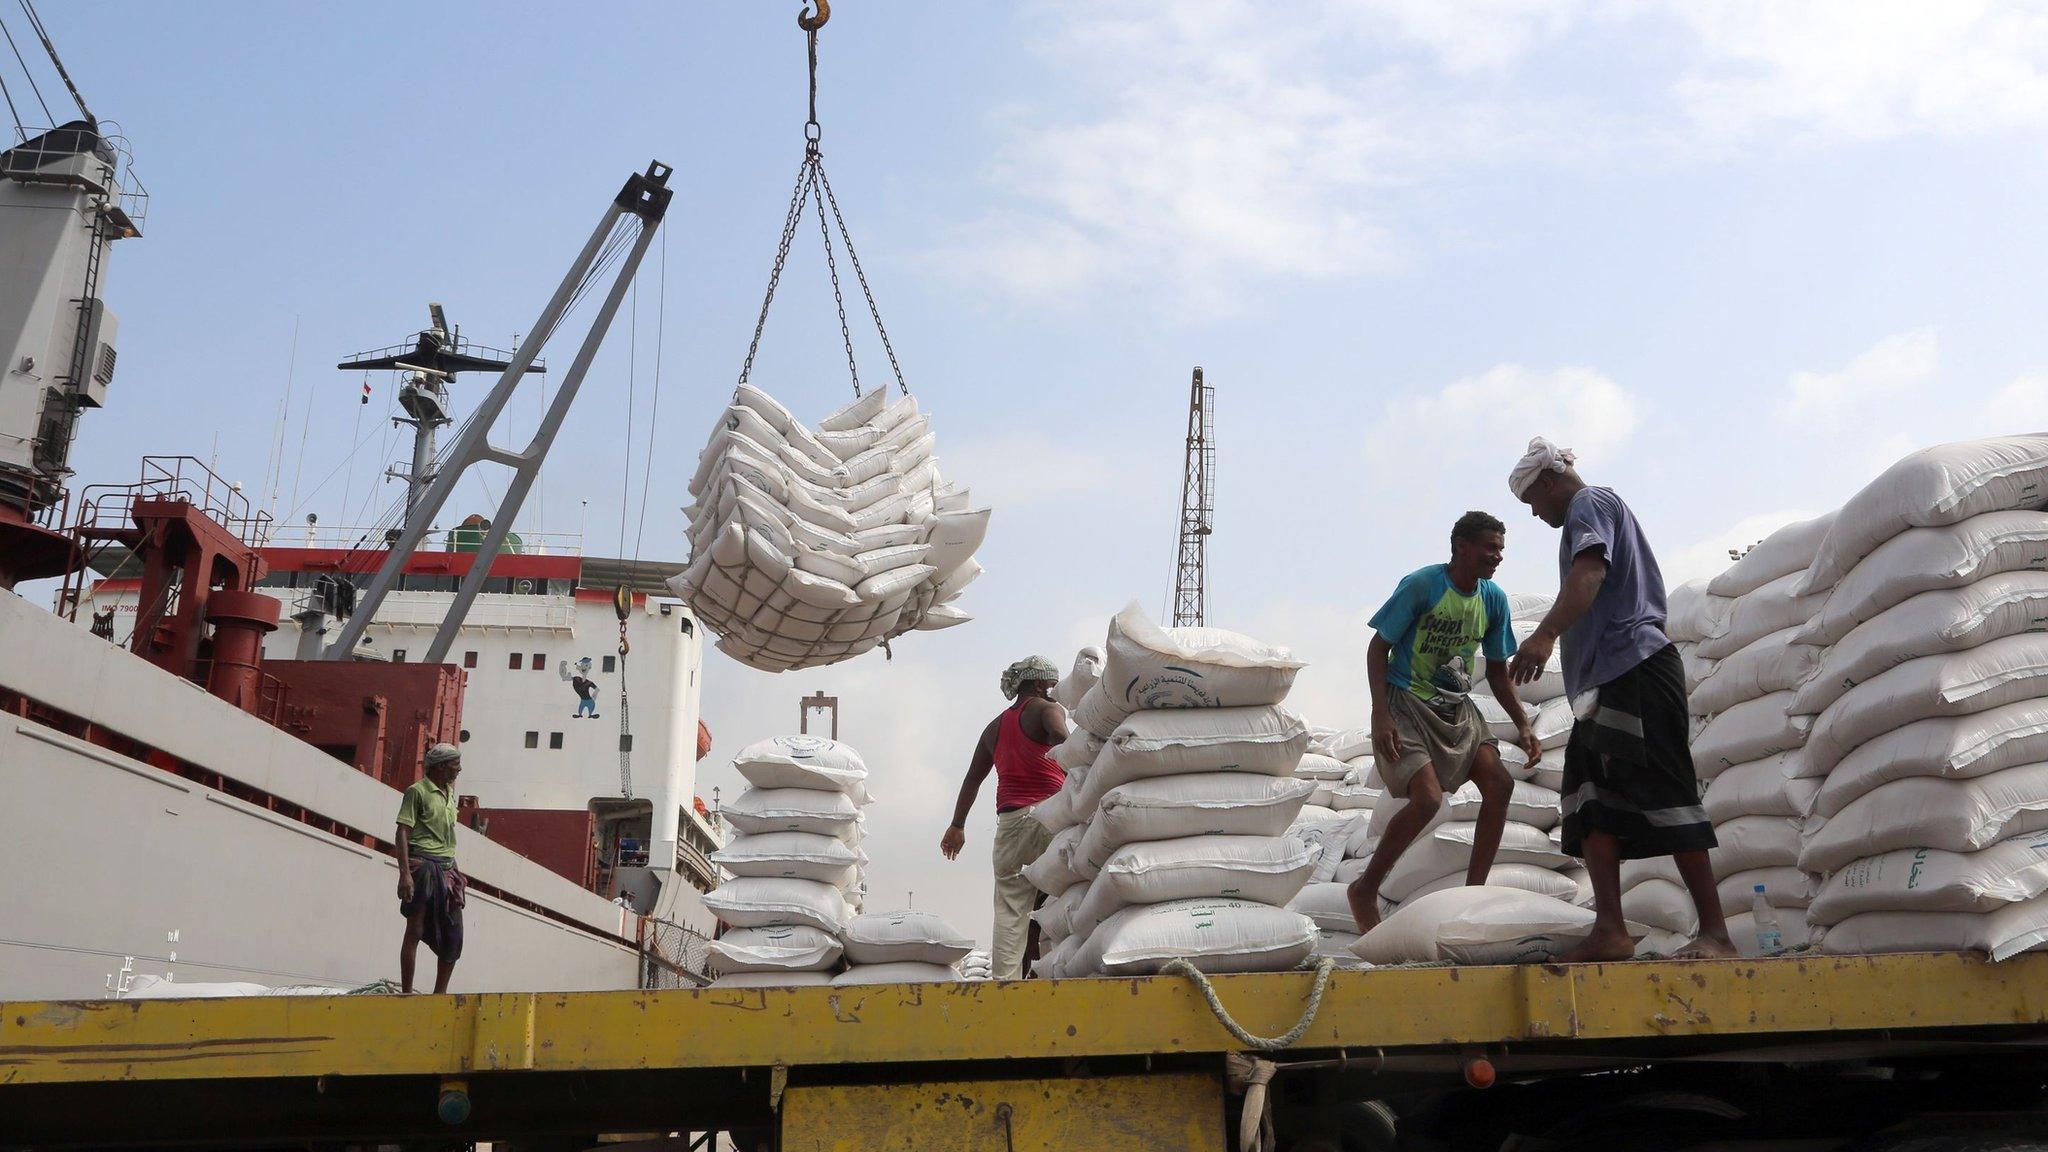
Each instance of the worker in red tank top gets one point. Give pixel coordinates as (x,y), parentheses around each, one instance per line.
(1018,745)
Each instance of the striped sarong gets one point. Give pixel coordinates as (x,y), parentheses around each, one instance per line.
(1628,769)
(441,889)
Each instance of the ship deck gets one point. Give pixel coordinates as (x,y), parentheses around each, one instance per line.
(328,1068)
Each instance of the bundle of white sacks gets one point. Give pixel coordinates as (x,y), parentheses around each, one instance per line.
(1926,719)
(1170,834)
(1739,632)
(808,548)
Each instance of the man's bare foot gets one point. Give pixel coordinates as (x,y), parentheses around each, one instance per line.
(1602,947)
(1365,907)
(1707,948)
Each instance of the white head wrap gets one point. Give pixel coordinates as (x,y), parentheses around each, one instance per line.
(1028,669)
(1542,456)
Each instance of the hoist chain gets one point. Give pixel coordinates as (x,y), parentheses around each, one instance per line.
(804,175)
(854,258)
(832,268)
(813,185)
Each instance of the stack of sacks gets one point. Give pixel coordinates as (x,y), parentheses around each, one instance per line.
(1170,842)
(808,548)
(904,947)
(1927,720)
(976,966)
(1745,748)
(1338,813)
(795,862)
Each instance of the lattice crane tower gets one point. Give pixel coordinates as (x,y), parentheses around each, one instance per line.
(1197,508)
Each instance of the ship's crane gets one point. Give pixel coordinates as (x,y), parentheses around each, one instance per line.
(621,237)
(1197,509)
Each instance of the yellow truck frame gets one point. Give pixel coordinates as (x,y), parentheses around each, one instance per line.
(1067,1064)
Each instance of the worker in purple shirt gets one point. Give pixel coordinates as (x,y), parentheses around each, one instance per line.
(1629,787)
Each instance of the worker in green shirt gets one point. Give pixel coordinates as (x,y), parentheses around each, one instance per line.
(431,891)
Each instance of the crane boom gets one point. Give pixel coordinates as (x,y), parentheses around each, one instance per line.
(646,196)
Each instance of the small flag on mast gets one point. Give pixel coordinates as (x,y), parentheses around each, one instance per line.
(366,391)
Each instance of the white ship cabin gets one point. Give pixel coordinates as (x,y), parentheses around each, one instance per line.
(546,698)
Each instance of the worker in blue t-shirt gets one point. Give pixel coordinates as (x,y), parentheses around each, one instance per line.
(1427,735)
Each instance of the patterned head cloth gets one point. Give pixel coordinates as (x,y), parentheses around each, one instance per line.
(1542,456)
(1025,670)
(441,754)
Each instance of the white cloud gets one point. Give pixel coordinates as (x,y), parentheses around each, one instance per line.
(1485,421)
(1212,143)
(2019,406)
(1708,556)
(1891,368)
(1866,69)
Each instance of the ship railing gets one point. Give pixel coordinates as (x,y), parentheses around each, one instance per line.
(453,342)
(369,541)
(124,189)
(673,956)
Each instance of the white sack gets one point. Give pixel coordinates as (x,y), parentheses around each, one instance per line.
(1214,935)
(1147,666)
(1939,485)
(1953,746)
(1947,684)
(1054,869)
(1662,905)
(1923,559)
(1263,741)
(1787,551)
(1751,730)
(2003,934)
(761,902)
(1785,886)
(1758,788)
(1770,664)
(1692,614)
(1055,917)
(1943,620)
(1522,877)
(1793,931)
(1096,714)
(1932,880)
(801,762)
(1771,608)
(1476,925)
(1930,812)
(1318,767)
(1327,905)
(1209,804)
(792,855)
(1266,869)
(1447,850)
(788,948)
(1079,679)
(759,811)
(889,937)
(1750,842)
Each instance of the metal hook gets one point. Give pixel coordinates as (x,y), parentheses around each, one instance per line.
(810,23)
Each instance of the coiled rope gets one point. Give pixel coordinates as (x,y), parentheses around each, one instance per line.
(1322,968)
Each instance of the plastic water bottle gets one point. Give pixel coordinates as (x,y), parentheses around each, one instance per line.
(1770,937)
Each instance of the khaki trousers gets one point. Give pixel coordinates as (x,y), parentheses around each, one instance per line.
(1019,841)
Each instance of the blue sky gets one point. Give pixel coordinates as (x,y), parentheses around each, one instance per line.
(1740,253)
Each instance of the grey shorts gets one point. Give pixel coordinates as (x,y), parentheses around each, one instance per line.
(1429,740)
